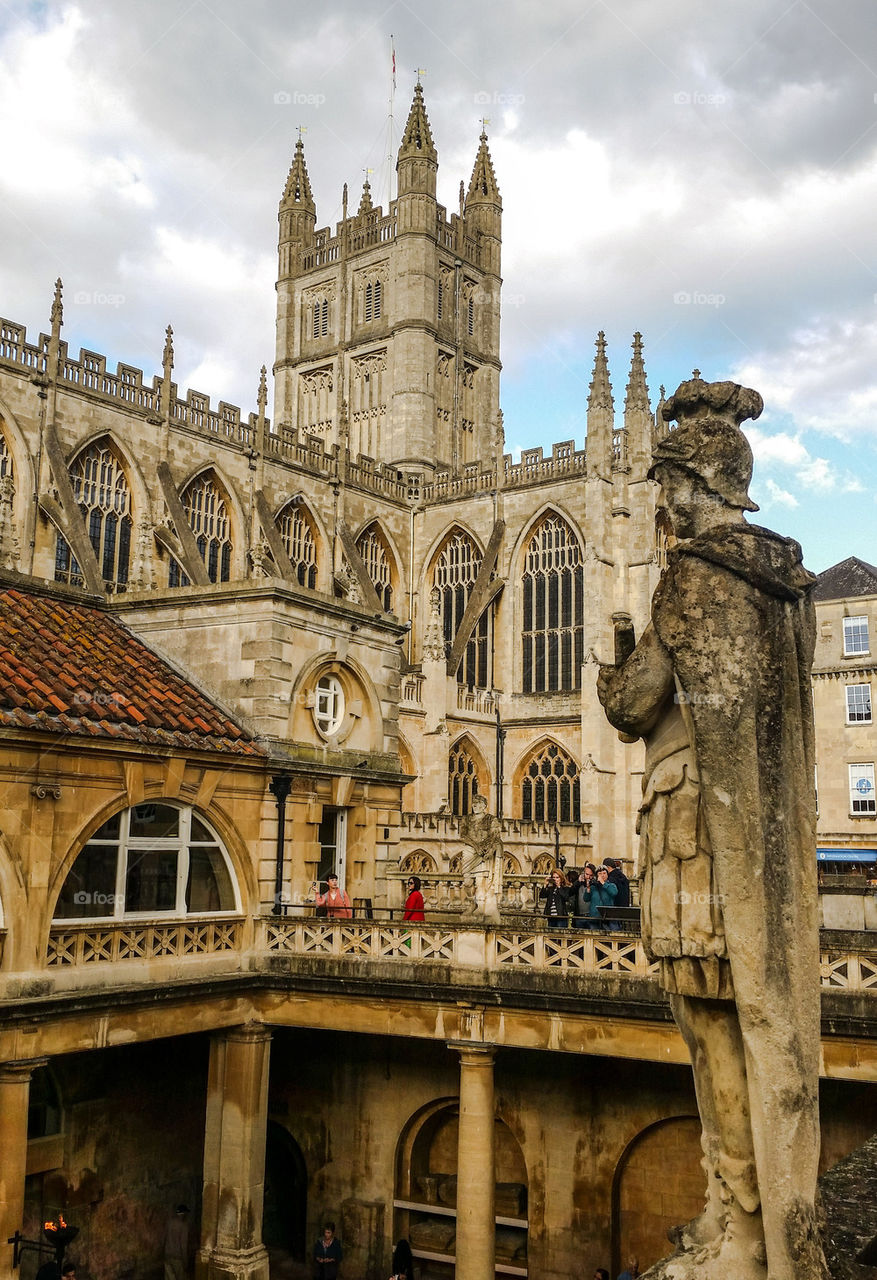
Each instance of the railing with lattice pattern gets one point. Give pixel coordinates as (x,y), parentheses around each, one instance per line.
(93,944)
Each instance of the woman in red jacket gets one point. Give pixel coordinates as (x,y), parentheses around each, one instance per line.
(414,902)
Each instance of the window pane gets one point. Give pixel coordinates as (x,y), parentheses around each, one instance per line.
(209,886)
(156,821)
(200,832)
(90,887)
(151,882)
(110,829)
(856,635)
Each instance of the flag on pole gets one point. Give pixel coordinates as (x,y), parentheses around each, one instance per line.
(393,53)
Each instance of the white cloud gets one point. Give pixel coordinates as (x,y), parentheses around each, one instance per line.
(780,496)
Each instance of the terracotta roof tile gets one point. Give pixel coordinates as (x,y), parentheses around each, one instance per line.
(73,668)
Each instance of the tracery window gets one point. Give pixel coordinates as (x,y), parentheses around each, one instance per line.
(298,539)
(462,779)
(371,547)
(373,300)
(455,573)
(207,514)
(101,490)
(550,787)
(553,609)
(155,859)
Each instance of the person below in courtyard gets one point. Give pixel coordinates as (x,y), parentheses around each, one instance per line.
(176,1244)
(335,900)
(327,1254)
(414,901)
(603,894)
(632,1270)
(601,1274)
(620,880)
(556,895)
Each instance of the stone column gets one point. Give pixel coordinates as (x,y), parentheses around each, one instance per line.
(14,1092)
(234,1156)
(476,1171)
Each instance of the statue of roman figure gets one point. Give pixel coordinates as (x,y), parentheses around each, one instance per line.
(482,862)
(718,688)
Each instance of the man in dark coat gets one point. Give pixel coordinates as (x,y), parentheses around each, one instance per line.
(718,687)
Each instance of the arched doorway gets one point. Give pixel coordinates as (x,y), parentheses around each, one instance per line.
(666,1155)
(285,1212)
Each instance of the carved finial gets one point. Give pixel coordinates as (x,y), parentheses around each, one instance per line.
(483,185)
(637,396)
(433,636)
(262,395)
(695,373)
(365,203)
(57,312)
(462,197)
(167,358)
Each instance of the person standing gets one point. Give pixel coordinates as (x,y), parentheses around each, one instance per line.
(556,896)
(176,1244)
(632,1271)
(620,880)
(327,1254)
(414,901)
(403,1261)
(335,900)
(603,894)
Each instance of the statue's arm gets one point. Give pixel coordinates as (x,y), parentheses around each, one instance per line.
(634,692)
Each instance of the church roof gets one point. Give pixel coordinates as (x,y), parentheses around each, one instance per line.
(72,668)
(852,577)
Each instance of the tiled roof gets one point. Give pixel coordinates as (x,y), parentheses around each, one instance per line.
(71,668)
(852,577)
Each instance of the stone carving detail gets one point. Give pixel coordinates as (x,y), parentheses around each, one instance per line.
(10,551)
(260,556)
(434,649)
(482,862)
(727,828)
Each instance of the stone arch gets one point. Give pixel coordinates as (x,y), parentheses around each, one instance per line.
(665,1154)
(453,567)
(426,1174)
(237,523)
(386,580)
(418,862)
(559,798)
(24,480)
(233,845)
(465,746)
(367,732)
(309,563)
(110,526)
(547,568)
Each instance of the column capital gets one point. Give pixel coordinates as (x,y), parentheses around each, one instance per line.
(473,1051)
(19,1072)
(248,1033)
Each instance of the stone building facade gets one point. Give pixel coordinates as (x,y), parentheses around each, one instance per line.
(238,653)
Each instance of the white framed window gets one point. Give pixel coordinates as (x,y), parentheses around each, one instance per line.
(329,705)
(156,859)
(856,636)
(862,799)
(858,703)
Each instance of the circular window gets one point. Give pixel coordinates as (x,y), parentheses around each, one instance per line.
(329,705)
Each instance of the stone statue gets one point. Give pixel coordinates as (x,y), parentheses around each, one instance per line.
(718,687)
(482,862)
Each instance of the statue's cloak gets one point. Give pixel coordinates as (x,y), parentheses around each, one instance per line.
(734,614)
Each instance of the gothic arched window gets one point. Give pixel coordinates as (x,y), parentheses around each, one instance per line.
(455,573)
(553,609)
(207,514)
(371,547)
(462,780)
(550,787)
(100,488)
(298,539)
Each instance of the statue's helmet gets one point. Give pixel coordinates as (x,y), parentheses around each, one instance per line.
(708,442)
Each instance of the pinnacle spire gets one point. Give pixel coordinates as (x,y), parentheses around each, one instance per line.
(298,184)
(417,136)
(57,313)
(483,186)
(365,203)
(167,358)
(600,392)
(262,393)
(637,394)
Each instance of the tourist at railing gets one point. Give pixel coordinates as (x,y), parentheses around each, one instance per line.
(414,901)
(556,895)
(603,894)
(334,900)
(582,918)
(620,880)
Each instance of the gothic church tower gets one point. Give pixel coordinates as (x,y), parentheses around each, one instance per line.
(388,329)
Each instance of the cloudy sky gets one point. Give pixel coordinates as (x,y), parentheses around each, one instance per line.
(706,174)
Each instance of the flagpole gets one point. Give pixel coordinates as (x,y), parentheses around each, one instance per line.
(390,122)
